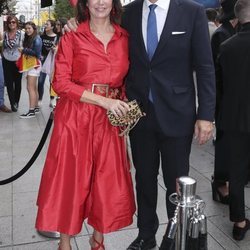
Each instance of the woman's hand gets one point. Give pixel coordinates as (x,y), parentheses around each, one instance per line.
(20,50)
(71,25)
(117,107)
(54,48)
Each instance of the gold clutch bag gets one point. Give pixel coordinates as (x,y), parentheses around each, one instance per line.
(127,122)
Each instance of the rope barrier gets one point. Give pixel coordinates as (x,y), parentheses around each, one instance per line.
(34,156)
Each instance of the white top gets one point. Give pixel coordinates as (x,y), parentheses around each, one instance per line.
(161,12)
(12,54)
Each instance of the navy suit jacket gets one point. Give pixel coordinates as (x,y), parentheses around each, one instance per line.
(170,72)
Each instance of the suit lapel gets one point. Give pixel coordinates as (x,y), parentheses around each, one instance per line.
(138,23)
(169,25)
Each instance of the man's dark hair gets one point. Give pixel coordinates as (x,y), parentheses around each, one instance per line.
(211,14)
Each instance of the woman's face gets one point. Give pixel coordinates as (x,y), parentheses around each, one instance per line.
(12,24)
(48,27)
(29,30)
(99,9)
(58,26)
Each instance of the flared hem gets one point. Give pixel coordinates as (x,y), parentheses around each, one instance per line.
(115,227)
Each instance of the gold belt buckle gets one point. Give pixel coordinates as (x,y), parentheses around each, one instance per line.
(99,86)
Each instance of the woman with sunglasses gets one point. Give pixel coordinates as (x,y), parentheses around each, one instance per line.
(13,40)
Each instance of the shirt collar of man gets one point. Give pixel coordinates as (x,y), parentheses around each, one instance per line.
(161,3)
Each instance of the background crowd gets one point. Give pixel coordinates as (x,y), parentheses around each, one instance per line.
(16,41)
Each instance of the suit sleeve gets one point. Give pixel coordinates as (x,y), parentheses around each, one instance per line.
(219,84)
(63,84)
(204,67)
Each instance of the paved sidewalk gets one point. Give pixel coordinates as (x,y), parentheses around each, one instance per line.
(18,140)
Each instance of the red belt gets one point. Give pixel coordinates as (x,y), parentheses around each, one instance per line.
(106,91)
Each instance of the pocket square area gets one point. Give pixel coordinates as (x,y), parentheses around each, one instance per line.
(178,32)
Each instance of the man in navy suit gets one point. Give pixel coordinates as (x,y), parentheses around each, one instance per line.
(162,80)
(164,84)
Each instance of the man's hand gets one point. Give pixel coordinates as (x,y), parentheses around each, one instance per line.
(71,25)
(203,131)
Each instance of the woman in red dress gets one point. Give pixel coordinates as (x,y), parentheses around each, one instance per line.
(87,172)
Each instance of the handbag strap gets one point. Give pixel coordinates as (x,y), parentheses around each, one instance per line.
(128,128)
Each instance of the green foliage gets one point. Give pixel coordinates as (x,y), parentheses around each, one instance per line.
(7,6)
(3,6)
(63,9)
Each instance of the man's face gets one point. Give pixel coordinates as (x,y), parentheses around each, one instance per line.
(153,1)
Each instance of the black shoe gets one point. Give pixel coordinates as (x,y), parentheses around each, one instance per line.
(167,244)
(37,110)
(217,195)
(29,114)
(14,108)
(140,244)
(239,232)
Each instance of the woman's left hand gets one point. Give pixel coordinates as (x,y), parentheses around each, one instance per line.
(117,107)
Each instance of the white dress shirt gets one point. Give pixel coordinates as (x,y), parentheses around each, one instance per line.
(161,12)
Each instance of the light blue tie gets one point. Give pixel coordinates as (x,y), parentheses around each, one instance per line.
(152,38)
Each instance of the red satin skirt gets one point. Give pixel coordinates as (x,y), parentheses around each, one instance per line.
(86,173)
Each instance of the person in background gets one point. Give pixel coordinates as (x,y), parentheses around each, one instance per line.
(233,75)
(227,29)
(12,41)
(60,23)
(49,41)
(212,15)
(60,26)
(3,108)
(85,150)
(32,46)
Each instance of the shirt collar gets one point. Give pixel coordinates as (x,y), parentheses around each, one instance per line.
(84,28)
(161,3)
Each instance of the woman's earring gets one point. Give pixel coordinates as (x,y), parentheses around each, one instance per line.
(113,12)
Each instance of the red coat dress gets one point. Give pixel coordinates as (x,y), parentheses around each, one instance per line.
(86,173)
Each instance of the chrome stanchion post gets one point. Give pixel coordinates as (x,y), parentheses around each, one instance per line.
(187,189)
(202,226)
(189,225)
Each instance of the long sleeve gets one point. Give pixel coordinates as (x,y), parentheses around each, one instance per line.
(36,48)
(63,84)
(204,67)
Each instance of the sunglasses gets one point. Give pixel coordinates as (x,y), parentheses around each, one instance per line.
(12,22)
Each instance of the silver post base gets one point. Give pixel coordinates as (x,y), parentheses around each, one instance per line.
(55,235)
